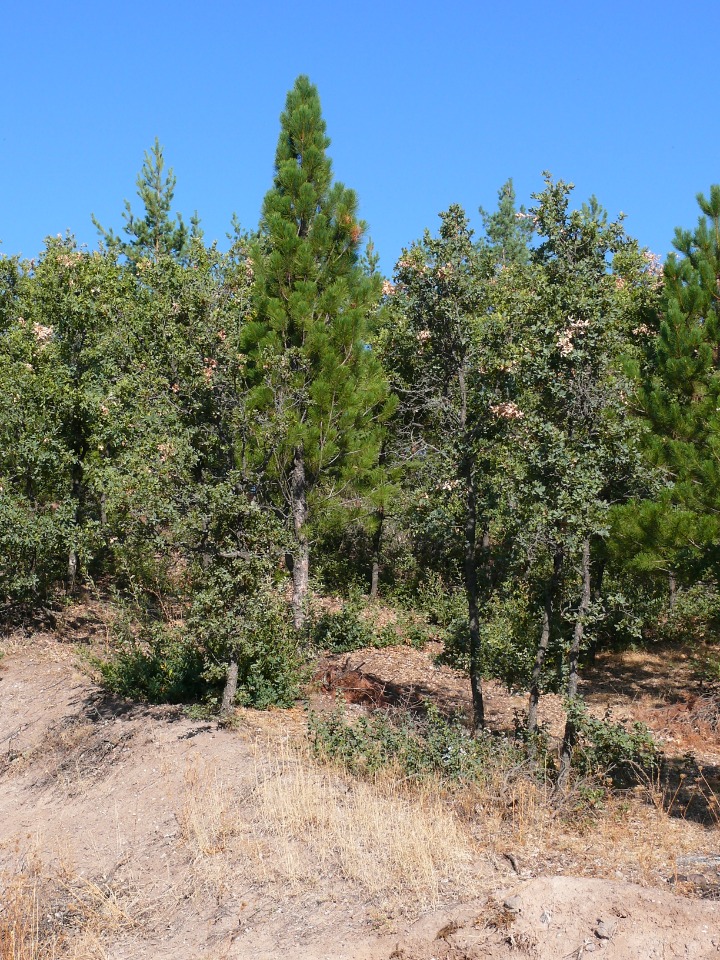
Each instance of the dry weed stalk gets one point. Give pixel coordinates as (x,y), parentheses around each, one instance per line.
(44,915)
(207,818)
(393,843)
(20,920)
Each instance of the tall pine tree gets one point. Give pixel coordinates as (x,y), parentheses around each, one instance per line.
(316,388)
(678,532)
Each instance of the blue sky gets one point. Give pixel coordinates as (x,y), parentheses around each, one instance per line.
(425,107)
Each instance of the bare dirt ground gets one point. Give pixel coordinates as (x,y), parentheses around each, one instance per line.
(136,832)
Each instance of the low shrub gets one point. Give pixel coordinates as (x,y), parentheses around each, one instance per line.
(440,604)
(188,661)
(626,753)
(418,636)
(159,664)
(416,748)
(693,617)
(257,632)
(387,636)
(341,632)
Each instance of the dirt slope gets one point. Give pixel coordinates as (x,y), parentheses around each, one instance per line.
(151,835)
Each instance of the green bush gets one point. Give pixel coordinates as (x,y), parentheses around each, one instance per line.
(509,630)
(160,665)
(347,630)
(503,656)
(255,630)
(707,667)
(416,748)
(188,662)
(694,616)
(342,631)
(387,636)
(627,754)
(440,604)
(455,652)
(418,636)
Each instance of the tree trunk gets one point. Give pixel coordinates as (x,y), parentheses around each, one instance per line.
(72,569)
(592,647)
(570,736)
(377,540)
(672,588)
(471,590)
(301,552)
(73,559)
(230,690)
(599,577)
(550,594)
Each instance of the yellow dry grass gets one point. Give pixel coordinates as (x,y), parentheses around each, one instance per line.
(629,836)
(303,825)
(297,825)
(400,847)
(20,920)
(47,914)
(208,816)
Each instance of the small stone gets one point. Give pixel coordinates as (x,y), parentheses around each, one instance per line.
(513,904)
(604,930)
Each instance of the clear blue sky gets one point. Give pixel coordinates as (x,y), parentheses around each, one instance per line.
(425,107)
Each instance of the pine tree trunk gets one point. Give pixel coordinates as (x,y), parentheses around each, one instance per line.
(672,588)
(550,594)
(377,541)
(301,552)
(230,691)
(570,736)
(471,590)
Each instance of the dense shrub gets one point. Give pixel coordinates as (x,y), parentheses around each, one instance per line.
(626,753)
(414,747)
(256,631)
(693,617)
(341,631)
(160,664)
(508,635)
(188,660)
(441,604)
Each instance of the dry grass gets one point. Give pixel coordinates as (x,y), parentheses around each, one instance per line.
(208,816)
(627,836)
(46,915)
(299,825)
(20,920)
(400,847)
(214,833)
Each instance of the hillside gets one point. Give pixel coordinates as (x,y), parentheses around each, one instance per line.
(132,831)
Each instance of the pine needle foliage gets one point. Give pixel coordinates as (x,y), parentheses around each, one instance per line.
(317,389)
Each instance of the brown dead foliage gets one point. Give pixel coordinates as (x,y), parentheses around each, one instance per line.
(358,687)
